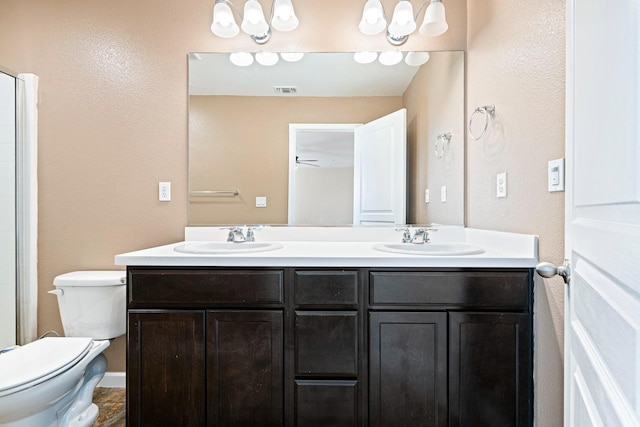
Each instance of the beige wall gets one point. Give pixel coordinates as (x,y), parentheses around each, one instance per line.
(113,122)
(516,60)
(434,102)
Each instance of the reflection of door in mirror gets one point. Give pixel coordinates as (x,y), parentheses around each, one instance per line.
(380,171)
(348,174)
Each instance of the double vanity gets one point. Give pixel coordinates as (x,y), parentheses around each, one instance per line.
(332,326)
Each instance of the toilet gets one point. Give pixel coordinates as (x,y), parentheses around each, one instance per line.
(50,382)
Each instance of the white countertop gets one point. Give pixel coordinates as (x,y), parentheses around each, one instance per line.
(344,247)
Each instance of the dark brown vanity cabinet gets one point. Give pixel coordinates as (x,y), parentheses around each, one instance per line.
(205,348)
(329,347)
(451,348)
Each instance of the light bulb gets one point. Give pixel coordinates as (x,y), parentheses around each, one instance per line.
(435,22)
(254,22)
(224,25)
(402,22)
(372,18)
(284,17)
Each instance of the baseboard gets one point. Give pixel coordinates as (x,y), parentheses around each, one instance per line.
(113,379)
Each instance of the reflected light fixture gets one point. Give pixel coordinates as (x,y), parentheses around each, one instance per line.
(365,57)
(415,59)
(292,56)
(390,57)
(267,58)
(253,21)
(241,59)
(403,20)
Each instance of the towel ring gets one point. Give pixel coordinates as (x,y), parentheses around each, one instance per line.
(442,140)
(486,110)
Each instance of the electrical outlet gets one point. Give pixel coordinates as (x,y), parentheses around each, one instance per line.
(501,184)
(426,195)
(261,202)
(164,191)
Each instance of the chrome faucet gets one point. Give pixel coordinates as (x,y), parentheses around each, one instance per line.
(235,234)
(421,235)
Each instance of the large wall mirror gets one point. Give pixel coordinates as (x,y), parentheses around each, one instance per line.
(258,132)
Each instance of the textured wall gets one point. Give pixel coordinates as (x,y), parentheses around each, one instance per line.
(113,122)
(515,60)
(113,115)
(435,105)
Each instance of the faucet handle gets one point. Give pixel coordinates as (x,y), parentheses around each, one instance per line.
(406,234)
(426,233)
(250,232)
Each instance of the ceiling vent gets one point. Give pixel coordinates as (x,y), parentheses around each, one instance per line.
(285,90)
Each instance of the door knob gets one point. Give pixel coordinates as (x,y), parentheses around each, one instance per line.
(548,270)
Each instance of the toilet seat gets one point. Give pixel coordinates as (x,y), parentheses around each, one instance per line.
(40,360)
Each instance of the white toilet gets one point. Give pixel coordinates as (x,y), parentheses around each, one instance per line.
(50,382)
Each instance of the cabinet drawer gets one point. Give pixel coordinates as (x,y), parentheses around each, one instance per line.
(326,403)
(326,343)
(169,288)
(326,287)
(477,289)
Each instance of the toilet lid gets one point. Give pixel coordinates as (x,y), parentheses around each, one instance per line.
(91,278)
(38,361)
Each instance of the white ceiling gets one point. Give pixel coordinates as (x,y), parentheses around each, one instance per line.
(316,74)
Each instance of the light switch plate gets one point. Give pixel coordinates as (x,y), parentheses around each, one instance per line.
(501,184)
(443,193)
(426,195)
(556,175)
(261,202)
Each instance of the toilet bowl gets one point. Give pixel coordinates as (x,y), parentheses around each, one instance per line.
(50,382)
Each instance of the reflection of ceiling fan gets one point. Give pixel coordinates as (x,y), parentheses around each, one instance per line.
(307,162)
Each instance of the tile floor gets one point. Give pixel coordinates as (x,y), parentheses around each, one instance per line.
(111,403)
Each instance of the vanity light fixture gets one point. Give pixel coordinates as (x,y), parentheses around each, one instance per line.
(403,20)
(254,23)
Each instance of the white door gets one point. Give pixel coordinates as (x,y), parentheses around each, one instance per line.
(602,319)
(380,177)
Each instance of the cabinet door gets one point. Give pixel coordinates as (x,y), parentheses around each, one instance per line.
(407,369)
(244,368)
(165,368)
(490,376)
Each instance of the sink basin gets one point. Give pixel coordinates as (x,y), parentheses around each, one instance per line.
(434,249)
(226,247)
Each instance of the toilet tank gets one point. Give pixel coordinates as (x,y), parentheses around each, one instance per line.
(92,303)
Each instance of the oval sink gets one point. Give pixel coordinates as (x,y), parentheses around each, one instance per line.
(435,249)
(226,247)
